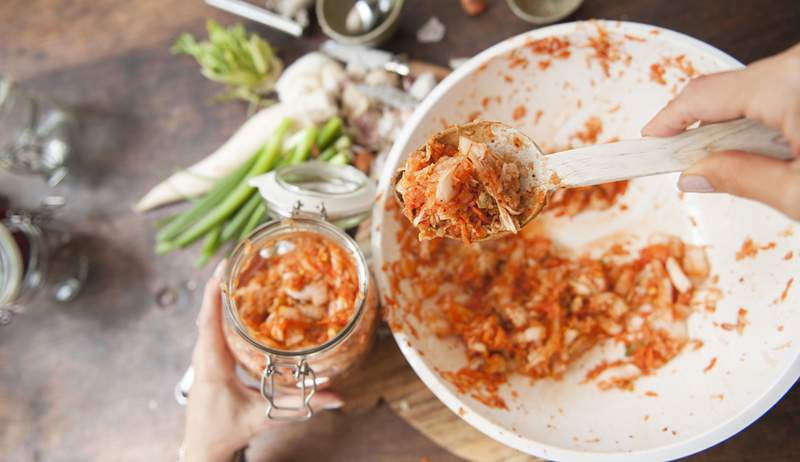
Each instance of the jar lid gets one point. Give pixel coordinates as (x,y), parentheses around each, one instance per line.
(340,194)
(11,266)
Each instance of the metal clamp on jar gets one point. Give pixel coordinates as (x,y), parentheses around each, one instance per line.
(310,204)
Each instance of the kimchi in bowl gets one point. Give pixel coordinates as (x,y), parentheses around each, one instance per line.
(730,353)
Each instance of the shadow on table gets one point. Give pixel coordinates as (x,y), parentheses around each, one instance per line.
(115,290)
(102,140)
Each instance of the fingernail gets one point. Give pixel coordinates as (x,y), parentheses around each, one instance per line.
(694,183)
(333,405)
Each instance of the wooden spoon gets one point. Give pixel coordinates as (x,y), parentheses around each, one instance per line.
(609,162)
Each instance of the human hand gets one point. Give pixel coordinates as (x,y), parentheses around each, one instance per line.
(222,414)
(767,91)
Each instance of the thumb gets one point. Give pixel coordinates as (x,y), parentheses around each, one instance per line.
(773,182)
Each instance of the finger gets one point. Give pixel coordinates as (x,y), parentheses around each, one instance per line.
(773,182)
(791,128)
(211,357)
(709,98)
(256,417)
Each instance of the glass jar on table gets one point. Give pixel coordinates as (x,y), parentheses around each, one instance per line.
(37,136)
(301,307)
(40,260)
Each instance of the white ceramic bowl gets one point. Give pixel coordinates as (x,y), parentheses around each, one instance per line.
(567,420)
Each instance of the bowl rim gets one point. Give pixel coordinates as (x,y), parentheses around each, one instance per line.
(701,441)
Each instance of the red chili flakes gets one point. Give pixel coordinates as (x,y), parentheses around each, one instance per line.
(711,364)
(485,102)
(680,62)
(557,47)
(741,322)
(685,65)
(654,31)
(473,115)
(606,51)
(516,60)
(519,112)
(543,65)
(537,117)
(635,38)
(785,292)
(651,394)
(657,73)
(788,255)
(570,202)
(591,129)
(750,249)
(508,78)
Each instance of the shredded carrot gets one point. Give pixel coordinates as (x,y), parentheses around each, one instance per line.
(298,294)
(711,364)
(750,249)
(519,306)
(785,292)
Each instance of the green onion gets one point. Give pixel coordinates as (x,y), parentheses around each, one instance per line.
(329,132)
(210,246)
(327,154)
(255,219)
(303,149)
(341,158)
(343,142)
(183,221)
(265,161)
(234,227)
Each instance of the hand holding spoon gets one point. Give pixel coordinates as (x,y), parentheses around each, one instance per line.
(591,165)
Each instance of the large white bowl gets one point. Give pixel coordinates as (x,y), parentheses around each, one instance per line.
(694,410)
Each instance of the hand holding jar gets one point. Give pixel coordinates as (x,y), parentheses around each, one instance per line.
(223,414)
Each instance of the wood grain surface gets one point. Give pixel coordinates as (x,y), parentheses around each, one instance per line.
(92,381)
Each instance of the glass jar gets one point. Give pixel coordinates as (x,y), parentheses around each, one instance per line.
(305,200)
(39,259)
(36,135)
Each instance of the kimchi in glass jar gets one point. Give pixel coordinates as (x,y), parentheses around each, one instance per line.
(300,306)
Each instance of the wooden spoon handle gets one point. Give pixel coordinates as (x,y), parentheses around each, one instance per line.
(622,160)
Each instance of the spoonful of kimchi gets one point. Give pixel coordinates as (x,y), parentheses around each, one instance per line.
(483,179)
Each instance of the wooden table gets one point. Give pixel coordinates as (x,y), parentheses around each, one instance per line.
(93,381)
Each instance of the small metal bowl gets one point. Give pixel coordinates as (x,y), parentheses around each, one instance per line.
(332,15)
(542,12)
